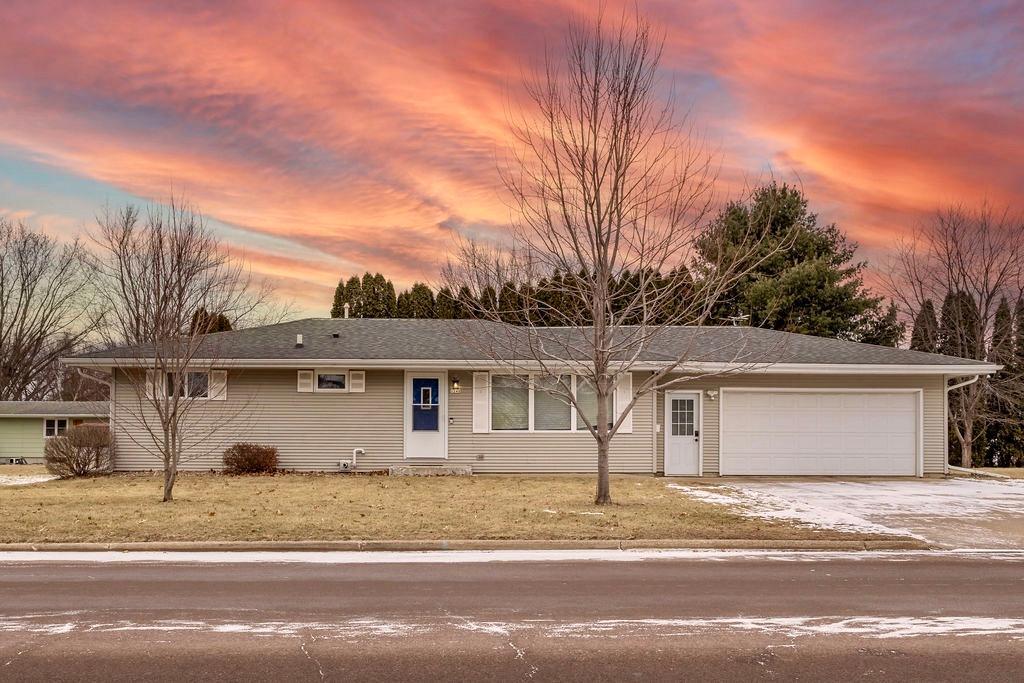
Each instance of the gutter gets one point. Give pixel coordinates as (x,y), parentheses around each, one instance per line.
(483,364)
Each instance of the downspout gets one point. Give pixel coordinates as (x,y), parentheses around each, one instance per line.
(945,431)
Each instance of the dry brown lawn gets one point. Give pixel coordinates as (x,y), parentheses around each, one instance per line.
(127,507)
(23,470)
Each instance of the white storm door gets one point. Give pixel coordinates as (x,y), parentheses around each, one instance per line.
(682,433)
(426,415)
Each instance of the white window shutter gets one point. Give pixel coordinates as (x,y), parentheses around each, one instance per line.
(623,395)
(357,381)
(151,383)
(481,402)
(218,385)
(304,381)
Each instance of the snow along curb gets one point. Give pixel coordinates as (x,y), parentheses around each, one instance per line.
(634,544)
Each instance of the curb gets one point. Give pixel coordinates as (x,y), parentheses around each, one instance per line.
(468,544)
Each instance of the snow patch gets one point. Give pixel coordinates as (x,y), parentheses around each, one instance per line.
(752,502)
(25,479)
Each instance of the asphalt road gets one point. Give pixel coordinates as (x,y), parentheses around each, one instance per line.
(712,617)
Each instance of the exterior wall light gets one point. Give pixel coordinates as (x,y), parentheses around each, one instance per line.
(456,386)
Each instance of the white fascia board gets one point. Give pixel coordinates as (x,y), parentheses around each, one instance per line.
(413,363)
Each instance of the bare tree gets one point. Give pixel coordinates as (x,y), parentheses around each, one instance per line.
(154,271)
(45,309)
(609,190)
(971,259)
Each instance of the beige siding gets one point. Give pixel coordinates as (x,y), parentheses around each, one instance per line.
(542,452)
(314,431)
(21,437)
(934,407)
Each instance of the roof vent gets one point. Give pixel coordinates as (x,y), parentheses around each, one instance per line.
(298,341)
(335,335)
(345,307)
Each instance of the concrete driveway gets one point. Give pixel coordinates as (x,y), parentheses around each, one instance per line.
(954,513)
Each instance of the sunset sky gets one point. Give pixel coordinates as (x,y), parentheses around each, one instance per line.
(327,138)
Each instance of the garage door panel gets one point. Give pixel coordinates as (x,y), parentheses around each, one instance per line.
(818,432)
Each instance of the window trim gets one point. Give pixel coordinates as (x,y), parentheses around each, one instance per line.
(330,371)
(531,384)
(56,426)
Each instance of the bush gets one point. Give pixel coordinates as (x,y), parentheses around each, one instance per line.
(82,451)
(250,458)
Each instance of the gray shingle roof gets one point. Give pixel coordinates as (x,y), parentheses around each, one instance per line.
(409,339)
(54,409)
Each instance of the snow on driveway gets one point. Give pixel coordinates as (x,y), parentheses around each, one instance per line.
(953,512)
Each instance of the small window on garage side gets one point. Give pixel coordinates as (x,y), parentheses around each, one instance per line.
(55,427)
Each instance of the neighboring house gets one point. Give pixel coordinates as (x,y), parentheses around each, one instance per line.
(376,393)
(26,425)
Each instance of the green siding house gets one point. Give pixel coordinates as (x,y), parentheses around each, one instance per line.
(25,425)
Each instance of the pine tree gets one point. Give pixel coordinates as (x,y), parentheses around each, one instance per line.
(421,301)
(403,307)
(388,303)
(465,303)
(924,336)
(803,278)
(960,335)
(338,306)
(510,304)
(354,297)
(446,306)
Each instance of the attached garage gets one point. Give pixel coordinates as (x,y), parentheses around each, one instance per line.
(828,432)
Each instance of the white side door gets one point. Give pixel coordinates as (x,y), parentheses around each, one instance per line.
(682,433)
(426,415)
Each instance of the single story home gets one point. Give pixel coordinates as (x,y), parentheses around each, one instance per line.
(367,394)
(26,425)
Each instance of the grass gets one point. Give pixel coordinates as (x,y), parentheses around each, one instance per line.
(23,470)
(1012,472)
(208,507)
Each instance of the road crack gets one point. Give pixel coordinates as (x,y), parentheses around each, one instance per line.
(314,660)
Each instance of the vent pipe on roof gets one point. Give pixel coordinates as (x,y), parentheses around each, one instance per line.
(298,341)
(345,307)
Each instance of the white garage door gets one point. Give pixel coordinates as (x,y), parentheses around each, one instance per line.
(819,432)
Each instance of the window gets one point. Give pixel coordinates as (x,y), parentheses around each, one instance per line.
(536,403)
(55,427)
(551,412)
(331,380)
(188,384)
(586,398)
(510,403)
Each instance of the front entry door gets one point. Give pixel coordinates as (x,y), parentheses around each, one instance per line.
(682,433)
(426,420)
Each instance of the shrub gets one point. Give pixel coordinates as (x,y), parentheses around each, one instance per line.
(250,458)
(82,451)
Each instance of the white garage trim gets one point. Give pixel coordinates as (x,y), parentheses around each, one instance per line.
(724,391)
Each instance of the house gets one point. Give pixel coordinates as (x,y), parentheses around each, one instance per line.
(26,425)
(379,393)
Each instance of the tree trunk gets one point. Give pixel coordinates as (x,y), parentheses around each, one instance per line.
(170,475)
(604,494)
(967,445)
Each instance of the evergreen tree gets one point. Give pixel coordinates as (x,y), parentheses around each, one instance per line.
(1006,432)
(403,306)
(421,301)
(510,304)
(353,297)
(924,336)
(371,297)
(388,303)
(960,331)
(465,303)
(805,279)
(446,306)
(204,322)
(337,306)
(489,300)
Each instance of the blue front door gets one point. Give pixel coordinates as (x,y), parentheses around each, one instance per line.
(426,407)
